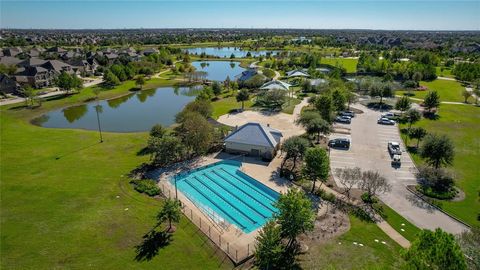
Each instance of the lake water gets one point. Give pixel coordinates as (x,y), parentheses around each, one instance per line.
(219,70)
(134,112)
(226,52)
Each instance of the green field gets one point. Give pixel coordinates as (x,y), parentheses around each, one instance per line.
(447,72)
(226,104)
(59,200)
(448,90)
(350,64)
(346,255)
(395,220)
(461,124)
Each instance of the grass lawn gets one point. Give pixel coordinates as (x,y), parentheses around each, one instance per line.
(447,72)
(226,104)
(395,220)
(346,255)
(59,200)
(461,124)
(289,107)
(448,90)
(350,64)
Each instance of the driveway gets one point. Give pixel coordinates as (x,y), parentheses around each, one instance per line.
(369,152)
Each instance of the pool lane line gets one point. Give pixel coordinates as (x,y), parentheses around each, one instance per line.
(256,189)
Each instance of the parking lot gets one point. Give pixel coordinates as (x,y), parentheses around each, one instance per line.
(368,151)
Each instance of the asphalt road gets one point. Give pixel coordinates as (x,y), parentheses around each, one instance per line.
(369,152)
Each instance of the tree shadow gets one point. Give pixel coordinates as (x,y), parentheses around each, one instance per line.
(431,116)
(412,149)
(153,241)
(76,151)
(143,152)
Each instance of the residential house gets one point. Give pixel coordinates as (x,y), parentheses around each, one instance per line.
(8,85)
(10,61)
(36,52)
(254,139)
(86,67)
(57,67)
(275,84)
(12,51)
(246,75)
(149,51)
(37,77)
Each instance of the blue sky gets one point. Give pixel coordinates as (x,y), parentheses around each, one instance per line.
(359,14)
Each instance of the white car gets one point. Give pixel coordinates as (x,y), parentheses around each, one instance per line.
(385,121)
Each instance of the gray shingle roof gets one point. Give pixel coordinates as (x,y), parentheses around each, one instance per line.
(275,85)
(255,134)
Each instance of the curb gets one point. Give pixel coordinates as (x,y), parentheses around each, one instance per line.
(422,197)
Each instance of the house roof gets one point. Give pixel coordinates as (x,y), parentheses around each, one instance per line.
(274,84)
(316,82)
(246,74)
(255,134)
(32,62)
(9,60)
(297,73)
(56,65)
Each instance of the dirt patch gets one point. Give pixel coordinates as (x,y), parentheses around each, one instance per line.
(330,223)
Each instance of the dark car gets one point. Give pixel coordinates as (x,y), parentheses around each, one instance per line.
(347,113)
(339,143)
(343,119)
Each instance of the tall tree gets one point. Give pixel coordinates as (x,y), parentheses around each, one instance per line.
(417,133)
(295,215)
(338,99)
(466,95)
(140,81)
(373,183)
(469,242)
(294,148)
(319,126)
(434,250)
(348,178)
(171,212)
(316,165)
(431,101)
(403,104)
(216,88)
(437,150)
(412,116)
(243,96)
(325,106)
(196,133)
(269,247)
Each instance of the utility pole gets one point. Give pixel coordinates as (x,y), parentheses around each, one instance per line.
(98,108)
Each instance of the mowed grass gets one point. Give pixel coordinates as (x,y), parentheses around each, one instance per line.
(448,90)
(341,253)
(65,204)
(461,124)
(350,64)
(226,104)
(446,72)
(396,220)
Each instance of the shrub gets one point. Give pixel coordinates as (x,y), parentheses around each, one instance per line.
(367,198)
(436,183)
(147,186)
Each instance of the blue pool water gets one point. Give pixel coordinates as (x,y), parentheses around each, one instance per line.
(230,193)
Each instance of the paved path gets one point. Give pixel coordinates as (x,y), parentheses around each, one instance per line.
(443,102)
(369,152)
(446,78)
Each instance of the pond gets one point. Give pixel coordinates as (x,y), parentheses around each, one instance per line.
(226,52)
(131,113)
(219,70)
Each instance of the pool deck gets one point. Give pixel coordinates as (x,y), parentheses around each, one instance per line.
(238,245)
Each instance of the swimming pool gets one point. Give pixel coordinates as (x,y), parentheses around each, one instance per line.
(234,196)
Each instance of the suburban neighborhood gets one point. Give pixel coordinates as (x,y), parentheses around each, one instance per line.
(169,144)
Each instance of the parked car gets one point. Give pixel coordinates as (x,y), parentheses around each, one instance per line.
(396,160)
(394,148)
(385,121)
(389,115)
(339,143)
(347,113)
(343,119)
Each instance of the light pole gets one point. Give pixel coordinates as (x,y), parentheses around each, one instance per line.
(98,109)
(176,192)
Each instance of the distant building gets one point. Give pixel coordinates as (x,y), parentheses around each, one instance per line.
(87,67)
(12,51)
(149,51)
(37,77)
(271,85)
(317,82)
(246,75)
(297,73)
(254,139)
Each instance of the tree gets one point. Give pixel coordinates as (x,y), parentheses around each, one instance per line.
(216,88)
(438,180)
(351,98)
(171,212)
(372,183)
(417,133)
(68,82)
(412,116)
(434,250)
(324,105)
(338,100)
(403,104)
(269,247)
(437,150)
(348,178)
(243,96)
(31,96)
(140,81)
(96,91)
(295,215)
(110,79)
(165,150)
(466,95)
(319,126)
(294,148)
(201,106)
(316,165)
(431,101)
(196,133)
(273,99)
(469,242)
(157,131)
(417,77)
